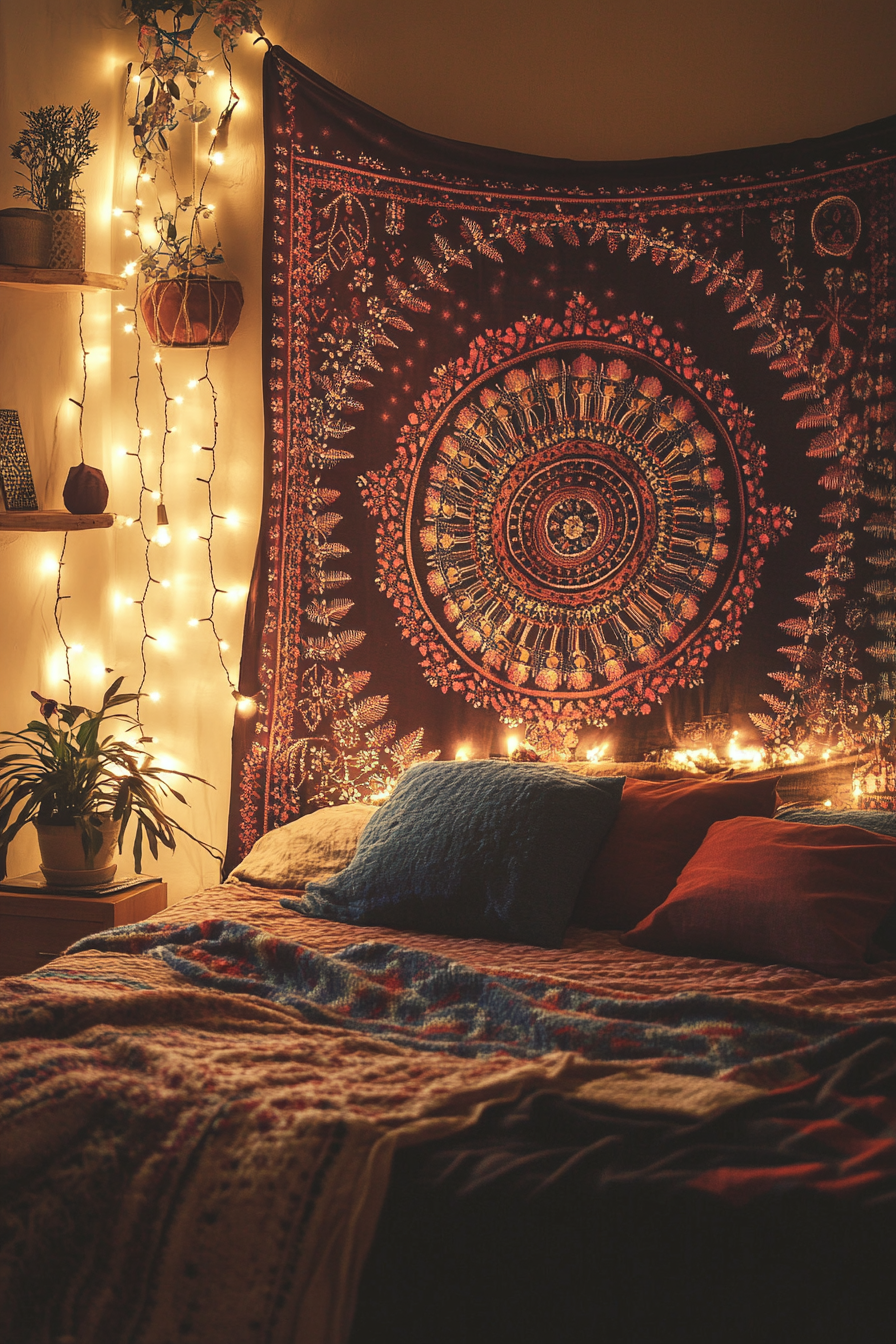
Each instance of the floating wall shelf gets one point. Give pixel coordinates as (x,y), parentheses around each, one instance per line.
(26,277)
(51,520)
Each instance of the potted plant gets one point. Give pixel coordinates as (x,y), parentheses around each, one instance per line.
(82,788)
(184,303)
(53,150)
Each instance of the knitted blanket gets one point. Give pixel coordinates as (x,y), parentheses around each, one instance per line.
(427,1002)
(185,1164)
(197,1121)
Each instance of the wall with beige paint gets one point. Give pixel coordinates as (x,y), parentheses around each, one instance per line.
(579,78)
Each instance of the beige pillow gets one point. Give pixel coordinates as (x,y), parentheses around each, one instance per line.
(315,847)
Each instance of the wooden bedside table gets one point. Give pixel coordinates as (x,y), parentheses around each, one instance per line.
(36,925)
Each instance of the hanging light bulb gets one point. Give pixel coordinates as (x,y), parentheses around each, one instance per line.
(162,534)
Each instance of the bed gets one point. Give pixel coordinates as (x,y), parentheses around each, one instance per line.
(248,1122)
(555,449)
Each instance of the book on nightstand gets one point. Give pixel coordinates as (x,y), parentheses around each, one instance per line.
(36,882)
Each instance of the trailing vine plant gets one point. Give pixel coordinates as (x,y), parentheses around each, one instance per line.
(169,92)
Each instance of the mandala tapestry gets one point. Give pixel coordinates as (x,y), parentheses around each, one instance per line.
(592,453)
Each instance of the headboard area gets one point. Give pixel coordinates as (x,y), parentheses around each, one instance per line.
(599,456)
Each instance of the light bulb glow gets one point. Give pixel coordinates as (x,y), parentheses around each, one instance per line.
(162,536)
(155,697)
(218,158)
(117,212)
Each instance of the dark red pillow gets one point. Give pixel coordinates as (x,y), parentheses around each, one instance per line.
(777,891)
(658,829)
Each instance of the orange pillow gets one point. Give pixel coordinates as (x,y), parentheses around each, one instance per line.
(658,829)
(778,891)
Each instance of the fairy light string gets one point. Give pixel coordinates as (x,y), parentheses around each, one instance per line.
(57,615)
(177,235)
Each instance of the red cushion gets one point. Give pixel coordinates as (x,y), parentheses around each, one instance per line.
(778,891)
(660,827)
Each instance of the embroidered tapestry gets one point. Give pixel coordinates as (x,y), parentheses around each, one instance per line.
(596,455)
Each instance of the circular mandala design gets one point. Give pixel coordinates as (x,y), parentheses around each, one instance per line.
(566,528)
(836,226)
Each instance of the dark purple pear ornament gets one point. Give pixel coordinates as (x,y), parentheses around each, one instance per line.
(85,490)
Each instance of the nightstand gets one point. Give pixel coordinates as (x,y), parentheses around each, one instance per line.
(37,923)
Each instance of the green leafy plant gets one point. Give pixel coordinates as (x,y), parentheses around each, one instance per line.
(53,149)
(59,770)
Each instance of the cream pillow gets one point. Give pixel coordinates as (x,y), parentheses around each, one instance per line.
(312,849)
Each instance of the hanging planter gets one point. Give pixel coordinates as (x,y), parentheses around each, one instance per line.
(191,311)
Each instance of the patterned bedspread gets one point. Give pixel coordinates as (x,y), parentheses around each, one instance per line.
(199,1115)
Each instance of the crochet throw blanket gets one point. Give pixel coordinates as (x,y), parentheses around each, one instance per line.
(197,1121)
(191,1165)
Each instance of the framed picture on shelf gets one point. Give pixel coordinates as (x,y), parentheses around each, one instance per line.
(16,481)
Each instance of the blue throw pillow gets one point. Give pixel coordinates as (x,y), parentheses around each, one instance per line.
(883,823)
(476,849)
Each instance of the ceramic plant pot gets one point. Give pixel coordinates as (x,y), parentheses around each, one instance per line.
(62,856)
(25,238)
(68,249)
(194,310)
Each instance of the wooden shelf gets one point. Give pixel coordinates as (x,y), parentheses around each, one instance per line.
(51,520)
(26,277)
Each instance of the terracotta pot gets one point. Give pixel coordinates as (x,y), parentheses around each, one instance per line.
(85,490)
(25,238)
(62,856)
(68,249)
(196,310)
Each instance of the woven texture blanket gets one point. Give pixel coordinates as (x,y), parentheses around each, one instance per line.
(191,1165)
(431,1004)
(197,1121)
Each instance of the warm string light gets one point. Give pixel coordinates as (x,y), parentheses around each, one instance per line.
(213,516)
(80,404)
(57,617)
(165,253)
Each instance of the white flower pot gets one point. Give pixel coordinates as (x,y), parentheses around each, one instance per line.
(63,862)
